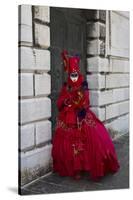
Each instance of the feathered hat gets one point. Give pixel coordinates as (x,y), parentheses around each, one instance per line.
(71,63)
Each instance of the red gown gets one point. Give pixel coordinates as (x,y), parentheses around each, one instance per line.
(81,142)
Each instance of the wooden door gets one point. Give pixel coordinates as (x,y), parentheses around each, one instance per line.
(68,31)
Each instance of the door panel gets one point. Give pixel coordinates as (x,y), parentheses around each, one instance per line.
(67,31)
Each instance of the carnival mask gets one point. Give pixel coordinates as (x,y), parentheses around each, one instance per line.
(74,76)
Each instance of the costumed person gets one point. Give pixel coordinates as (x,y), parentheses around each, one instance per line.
(80,143)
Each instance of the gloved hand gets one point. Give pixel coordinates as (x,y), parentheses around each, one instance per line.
(68,102)
(82,113)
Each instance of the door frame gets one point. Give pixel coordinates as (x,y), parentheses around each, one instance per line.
(79,16)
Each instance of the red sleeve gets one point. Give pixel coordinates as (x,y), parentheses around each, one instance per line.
(62,96)
(82,102)
(86,98)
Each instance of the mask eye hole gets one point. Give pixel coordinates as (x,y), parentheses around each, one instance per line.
(74,75)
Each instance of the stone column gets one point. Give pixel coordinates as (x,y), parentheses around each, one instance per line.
(35,87)
(97,64)
(108,68)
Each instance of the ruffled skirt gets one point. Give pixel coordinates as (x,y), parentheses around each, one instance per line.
(87,147)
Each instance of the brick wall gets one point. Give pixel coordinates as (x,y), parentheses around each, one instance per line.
(108,68)
(35,86)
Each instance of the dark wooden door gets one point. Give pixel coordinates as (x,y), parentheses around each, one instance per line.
(67,31)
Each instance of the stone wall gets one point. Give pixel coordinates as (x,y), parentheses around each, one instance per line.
(35,86)
(108,68)
(107,75)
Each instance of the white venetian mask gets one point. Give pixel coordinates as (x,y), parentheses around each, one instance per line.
(74,76)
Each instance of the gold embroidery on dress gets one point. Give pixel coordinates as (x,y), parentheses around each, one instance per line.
(76,150)
(89,120)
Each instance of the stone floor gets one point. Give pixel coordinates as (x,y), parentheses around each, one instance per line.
(53,183)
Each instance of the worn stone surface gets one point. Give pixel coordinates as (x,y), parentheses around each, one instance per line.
(26,84)
(100,112)
(96,47)
(42,35)
(42,59)
(119,35)
(96,81)
(25,23)
(119,65)
(42,84)
(94,97)
(124,13)
(25,34)
(117,80)
(42,13)
(43,132)
(93,47)
(120,94)
(35,109)
(96,15)
(119,125)
(35,83)
(26,136)
(27,60)
(54,183)
(25,15)
(108,96)
(117,109)
(97,64)
(95,30)
(34,59)
(35,163)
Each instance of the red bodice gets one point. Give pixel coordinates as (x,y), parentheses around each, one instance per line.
(71,101)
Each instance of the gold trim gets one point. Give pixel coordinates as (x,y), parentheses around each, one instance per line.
(89,120)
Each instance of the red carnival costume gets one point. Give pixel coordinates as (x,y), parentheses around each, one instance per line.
(81,141)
